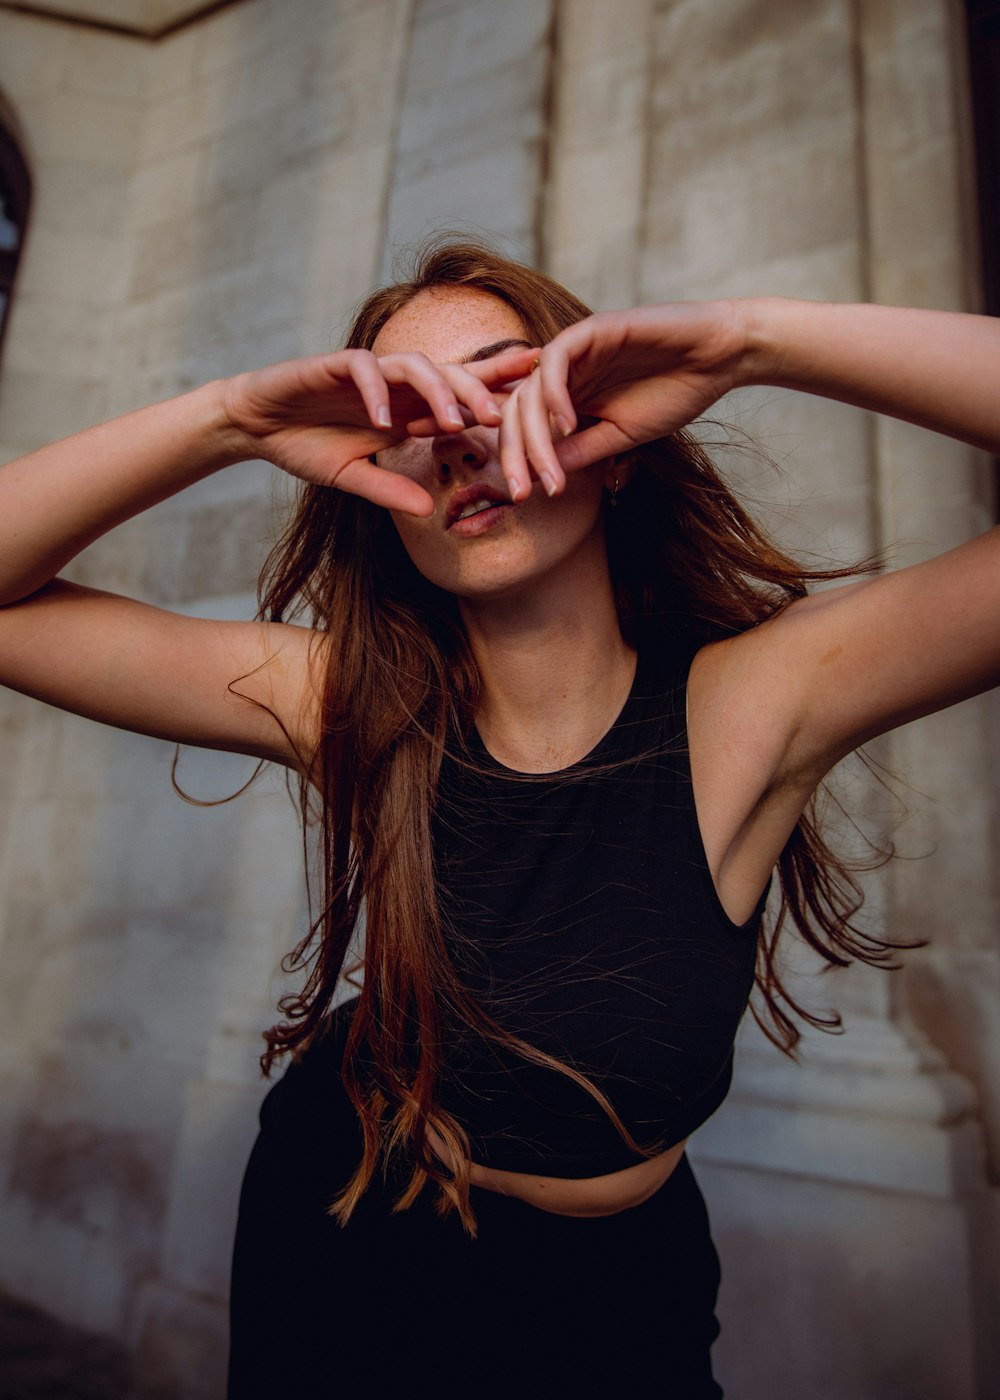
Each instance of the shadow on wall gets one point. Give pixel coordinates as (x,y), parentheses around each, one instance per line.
(42,1359)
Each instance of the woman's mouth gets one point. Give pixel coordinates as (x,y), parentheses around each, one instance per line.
(476,508)
(478,517)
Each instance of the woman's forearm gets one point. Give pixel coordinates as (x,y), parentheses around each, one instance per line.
(56,501)
(938,369)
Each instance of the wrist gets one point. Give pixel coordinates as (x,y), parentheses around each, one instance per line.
(225,440)
(767,324)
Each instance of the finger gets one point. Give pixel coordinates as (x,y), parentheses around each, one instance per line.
(429,427)
(480,387)
(363,368)
(509,366)
(384,488)
(432,386)
(513,462)
(553,373)
(591,445)
(536,431)
(472,394)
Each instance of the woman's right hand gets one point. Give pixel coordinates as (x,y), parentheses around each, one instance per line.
(322,418)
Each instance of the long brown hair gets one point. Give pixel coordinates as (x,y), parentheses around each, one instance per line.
(685,558)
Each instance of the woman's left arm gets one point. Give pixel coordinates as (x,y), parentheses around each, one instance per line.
(850,662)
(874,654)
(938,369)
(648,372)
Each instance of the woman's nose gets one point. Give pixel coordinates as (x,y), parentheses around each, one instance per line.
(455,453)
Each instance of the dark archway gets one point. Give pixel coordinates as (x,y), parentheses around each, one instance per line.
(15,199)
(983,18)
(984,70)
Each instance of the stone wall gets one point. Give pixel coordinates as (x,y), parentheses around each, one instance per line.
(219,198)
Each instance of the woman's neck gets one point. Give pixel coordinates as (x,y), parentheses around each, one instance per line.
(555,669)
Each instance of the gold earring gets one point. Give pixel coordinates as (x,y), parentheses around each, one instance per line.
(613,493)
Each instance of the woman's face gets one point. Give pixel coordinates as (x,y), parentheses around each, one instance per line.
(470,551)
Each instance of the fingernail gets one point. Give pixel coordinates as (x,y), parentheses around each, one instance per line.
(514,487)
(493,409)
(383,417)
(562,423)
(454,416)
(550,483)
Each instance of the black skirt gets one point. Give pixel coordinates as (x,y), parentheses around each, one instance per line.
(537,1305)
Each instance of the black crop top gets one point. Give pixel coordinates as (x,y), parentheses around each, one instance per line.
(580,911)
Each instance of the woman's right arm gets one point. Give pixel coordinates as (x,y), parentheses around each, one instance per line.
(111,658)
(243,686)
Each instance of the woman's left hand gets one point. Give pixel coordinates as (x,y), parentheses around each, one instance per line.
(642,374)
(646,373)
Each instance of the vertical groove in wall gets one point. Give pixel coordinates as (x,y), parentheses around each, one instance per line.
(381,252)
(959,40)
(648,128)
(550,136)
(876,509)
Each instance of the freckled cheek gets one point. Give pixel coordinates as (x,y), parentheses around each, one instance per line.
(410,458)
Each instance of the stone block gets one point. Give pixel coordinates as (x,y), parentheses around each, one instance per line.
(41,982)
(71,197)
(492,193)
(89,268)
(755,210)
(172,187)
(915,236)
(784,68)
(244,36)
(44,1261)
(167,972)
(144,557)
(175,59)
(953,995)
(103,64)
(226,545)
(435,133)
(908,89)
(326,202)
(54,845)
(832,272)
(176,123)
(84,128)
(242,160)
(145,840)
(452,42)
(93,1153)
(181,249)
(604,70)
(53,336)
(220,1125)
(181,1346)
(812,1263)
(34,56)
(595,199)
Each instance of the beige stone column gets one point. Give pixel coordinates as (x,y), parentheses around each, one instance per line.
(471,124)
(599,148)
(815,150)
(933,494)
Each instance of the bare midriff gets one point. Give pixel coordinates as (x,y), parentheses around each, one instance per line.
(584,1196)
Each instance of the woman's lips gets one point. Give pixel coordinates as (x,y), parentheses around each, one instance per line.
(474,508)
(483,520)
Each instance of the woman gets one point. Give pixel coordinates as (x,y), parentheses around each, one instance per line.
(562,708)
